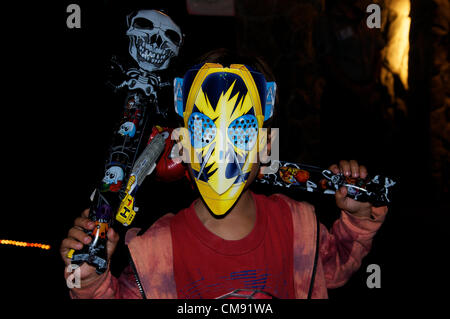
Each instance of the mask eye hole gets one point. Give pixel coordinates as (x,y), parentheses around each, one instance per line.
(201,129)
(243,132)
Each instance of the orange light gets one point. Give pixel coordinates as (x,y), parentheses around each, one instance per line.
(396,52)
(24,244)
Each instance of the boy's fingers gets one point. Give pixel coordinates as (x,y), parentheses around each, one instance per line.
(354,167)
(340,197)
(79,235)
(84,222)
(66,245)
(112,236)
(342,192)
(334,168)
(363,172)
(70,243)
(345,167)
(85,213)
(113,239)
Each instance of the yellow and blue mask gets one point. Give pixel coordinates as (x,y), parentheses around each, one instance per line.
(223,109)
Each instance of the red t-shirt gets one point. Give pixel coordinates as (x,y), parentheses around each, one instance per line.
(207,266)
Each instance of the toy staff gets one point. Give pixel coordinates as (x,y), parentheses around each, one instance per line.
(376,190)
(154,40)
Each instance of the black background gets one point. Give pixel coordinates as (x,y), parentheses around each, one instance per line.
(59,120)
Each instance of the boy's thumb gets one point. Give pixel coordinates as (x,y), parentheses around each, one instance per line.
(341,193)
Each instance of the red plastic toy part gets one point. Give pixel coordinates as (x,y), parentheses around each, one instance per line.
(167,169)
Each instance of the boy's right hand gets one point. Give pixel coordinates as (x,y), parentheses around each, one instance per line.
(77,238)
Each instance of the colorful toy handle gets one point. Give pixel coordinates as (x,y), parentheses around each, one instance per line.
(95,253)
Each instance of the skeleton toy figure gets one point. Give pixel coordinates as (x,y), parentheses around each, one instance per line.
(154,40)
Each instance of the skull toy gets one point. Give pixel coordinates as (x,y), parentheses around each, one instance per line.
(127,128)
(113,175)
(154,39)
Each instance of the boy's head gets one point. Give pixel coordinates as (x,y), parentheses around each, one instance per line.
(224,107)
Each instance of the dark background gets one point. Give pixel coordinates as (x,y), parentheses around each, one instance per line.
(60,119)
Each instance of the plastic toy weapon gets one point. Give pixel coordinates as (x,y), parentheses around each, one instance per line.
(376,190)
(101,210)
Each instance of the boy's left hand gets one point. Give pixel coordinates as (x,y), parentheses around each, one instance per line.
(351,169)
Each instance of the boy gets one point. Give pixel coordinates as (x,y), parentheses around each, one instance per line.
(232,242)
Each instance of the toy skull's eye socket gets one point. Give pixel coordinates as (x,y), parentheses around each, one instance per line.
(243,132)
(173,36)
(202,130)
(141,23)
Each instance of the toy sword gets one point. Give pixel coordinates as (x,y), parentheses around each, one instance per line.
(376,190)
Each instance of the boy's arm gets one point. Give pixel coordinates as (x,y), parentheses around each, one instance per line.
(347,243)
(107,286)
(350,239)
